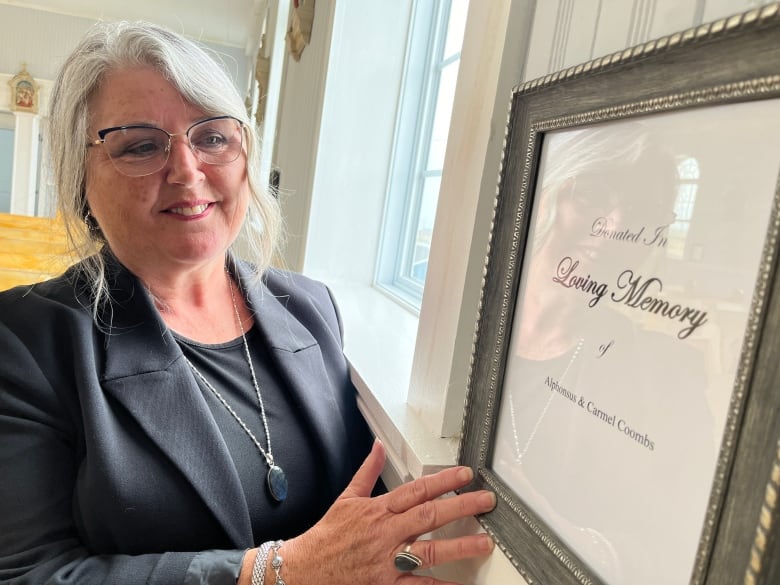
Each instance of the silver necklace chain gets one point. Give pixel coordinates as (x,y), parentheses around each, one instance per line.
(520,453)
(267,454)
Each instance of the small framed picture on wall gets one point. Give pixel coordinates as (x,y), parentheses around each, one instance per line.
(24,92)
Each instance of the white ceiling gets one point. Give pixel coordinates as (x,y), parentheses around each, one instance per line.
(235,23)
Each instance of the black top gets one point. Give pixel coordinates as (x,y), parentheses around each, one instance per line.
(225,367)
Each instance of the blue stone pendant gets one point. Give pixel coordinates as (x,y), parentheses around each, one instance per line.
(277,483)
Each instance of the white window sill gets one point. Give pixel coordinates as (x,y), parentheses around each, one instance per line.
(379,340)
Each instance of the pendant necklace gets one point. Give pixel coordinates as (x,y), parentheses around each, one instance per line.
(520,453)
(276,479)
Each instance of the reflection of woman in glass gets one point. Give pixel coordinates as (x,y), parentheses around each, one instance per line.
(579,396)
(612,181)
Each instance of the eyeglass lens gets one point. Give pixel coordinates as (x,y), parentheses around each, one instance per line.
(143,150)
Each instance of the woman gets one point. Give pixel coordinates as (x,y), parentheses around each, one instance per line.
(165,408)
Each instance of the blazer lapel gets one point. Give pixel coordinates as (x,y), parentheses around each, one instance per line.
(146,372)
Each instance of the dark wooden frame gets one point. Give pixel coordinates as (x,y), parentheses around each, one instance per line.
(729,61)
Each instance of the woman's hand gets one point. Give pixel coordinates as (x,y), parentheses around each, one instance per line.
(358,538)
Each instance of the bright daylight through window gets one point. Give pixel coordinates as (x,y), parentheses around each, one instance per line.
(430,75)
(6,160)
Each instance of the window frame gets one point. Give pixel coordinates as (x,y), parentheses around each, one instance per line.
(8,124)
(408,172)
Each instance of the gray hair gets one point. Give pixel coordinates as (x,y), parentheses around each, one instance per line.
(601,150)
(204,83)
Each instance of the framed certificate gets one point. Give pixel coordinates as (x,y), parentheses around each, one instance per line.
(622,400)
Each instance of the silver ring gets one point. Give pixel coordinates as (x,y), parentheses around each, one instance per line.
(406,561)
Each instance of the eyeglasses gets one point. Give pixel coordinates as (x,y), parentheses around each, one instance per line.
(139,150)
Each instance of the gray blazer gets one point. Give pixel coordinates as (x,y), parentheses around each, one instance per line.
(111,468)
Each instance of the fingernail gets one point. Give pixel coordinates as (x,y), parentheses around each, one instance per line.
(486,543)
(488,500)
(465,474)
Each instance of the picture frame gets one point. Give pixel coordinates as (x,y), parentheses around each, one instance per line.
(622,399)
(24,92)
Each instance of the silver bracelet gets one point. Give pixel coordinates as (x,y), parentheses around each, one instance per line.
(258,569)
(276,562)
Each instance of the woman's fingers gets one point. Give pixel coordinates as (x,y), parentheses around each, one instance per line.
(365,478)
(431,515)
(438,552)
(418,507)
(428,488)
(360,535)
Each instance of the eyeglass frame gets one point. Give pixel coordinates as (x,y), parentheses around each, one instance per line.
(105,131)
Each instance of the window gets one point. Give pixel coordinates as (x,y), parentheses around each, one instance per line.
(688,173)
(428,89)
(6,160)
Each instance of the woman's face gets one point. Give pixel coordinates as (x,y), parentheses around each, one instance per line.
(183,216)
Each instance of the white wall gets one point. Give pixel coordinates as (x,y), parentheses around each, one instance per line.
(43,39)
(358,117)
